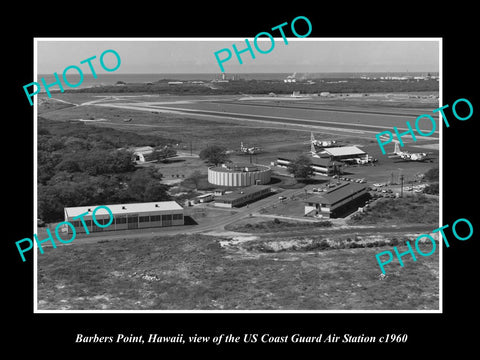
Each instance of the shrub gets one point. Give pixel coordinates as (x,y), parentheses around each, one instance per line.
(394,241)
(432,174)
(317,245)
(355,245)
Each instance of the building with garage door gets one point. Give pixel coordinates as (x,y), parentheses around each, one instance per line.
(127,216)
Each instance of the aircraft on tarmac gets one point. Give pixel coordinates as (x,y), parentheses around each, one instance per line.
(408,156)
(320,143)
(249,150)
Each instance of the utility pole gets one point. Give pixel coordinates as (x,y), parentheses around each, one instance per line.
(401,188)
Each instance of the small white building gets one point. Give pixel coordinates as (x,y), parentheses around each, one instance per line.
(204,198)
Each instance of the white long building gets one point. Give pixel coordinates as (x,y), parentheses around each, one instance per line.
(127,216)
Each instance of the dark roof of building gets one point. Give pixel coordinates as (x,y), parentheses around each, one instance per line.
(239,193)
(336,194)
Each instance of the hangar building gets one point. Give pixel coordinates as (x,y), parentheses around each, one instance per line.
(345,153)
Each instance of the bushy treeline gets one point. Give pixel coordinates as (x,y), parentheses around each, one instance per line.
(96,136)
(81,165)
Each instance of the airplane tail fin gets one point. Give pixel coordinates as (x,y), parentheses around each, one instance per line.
(397,147)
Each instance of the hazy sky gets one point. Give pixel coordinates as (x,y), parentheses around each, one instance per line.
(197,55)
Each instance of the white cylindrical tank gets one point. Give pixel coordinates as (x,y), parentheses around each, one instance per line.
(239,176)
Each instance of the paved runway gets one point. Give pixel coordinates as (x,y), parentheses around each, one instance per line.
(354,121)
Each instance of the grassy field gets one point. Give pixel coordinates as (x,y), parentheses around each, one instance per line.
(196,272)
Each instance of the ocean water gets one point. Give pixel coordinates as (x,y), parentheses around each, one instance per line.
(112,78)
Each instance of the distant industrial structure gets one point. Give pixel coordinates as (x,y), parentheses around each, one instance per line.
(224,79)
(241,175)
(241,197)
(290,78)
(127,216)
(337,202)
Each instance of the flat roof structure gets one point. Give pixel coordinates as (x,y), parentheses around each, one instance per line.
(120,209)
(242,197)
(240,193)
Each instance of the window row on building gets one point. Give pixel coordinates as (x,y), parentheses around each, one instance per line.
(126,216)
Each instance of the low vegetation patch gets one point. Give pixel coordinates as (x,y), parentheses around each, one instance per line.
(320,243)
(411,209)
(277,225)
